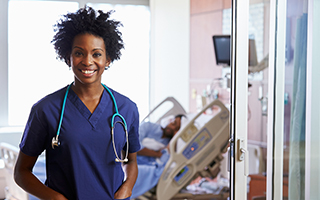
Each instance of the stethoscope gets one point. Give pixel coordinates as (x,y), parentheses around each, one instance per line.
(55,140)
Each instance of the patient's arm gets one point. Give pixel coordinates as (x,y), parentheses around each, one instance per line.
(29,182)
(149,152)
(131,171)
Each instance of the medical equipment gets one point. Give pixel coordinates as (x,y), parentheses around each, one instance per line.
(55,140)
(201,154)
(9,154)
(196,149)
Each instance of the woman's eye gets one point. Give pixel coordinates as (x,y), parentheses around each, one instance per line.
(97,54)
(77,53)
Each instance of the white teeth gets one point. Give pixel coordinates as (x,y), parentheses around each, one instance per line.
(87,71)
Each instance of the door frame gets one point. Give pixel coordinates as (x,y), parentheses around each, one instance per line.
(276,90)
(239,100)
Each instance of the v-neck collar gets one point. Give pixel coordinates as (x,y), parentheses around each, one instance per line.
(94,117)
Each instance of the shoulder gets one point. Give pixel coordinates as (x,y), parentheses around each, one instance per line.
(53,99)
(123,102)
(122,99)
(126,106)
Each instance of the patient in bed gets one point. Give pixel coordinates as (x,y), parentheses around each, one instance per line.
(154,152)
(154,139)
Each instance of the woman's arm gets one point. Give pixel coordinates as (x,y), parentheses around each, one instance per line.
(131,171)
(29,182)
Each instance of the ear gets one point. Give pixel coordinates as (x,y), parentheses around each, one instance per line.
(108,62)
(67,59)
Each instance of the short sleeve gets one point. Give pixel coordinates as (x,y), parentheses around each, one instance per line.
(34,135)
(134,144)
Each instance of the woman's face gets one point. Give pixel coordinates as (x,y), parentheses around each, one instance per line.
(88,58)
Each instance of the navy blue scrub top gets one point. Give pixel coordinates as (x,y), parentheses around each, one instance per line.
(83,166)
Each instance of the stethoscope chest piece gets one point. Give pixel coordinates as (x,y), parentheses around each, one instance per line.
(55,142)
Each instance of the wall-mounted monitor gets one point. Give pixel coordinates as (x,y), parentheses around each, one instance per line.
(222,50)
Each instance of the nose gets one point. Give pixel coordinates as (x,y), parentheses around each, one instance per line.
(87,61)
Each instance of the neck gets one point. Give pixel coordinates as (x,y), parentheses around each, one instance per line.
(87,91)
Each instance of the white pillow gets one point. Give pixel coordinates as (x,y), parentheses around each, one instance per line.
(166,120)
(152,144)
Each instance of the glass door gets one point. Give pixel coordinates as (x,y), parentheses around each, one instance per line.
(257,127)
(292,113)
(294,140)
(287,105)
(258,62)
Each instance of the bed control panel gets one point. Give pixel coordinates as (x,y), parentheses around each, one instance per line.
(182,175)
(186,135)
(197,144)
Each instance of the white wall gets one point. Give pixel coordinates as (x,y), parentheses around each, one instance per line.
(169,71)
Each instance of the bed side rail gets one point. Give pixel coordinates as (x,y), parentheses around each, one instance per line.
(9,154)
(202,147)
(175,109)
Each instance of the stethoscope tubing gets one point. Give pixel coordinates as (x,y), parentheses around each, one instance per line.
(55,140)
(62,110)
(116,108)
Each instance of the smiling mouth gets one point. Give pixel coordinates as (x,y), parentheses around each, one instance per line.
(87,71)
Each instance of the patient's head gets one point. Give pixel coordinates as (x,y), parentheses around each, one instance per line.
(173,127)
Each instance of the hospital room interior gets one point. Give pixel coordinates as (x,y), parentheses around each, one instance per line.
(177,60)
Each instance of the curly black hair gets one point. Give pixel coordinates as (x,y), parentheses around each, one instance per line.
(87,20)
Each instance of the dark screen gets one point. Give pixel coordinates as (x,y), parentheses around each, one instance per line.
(222,49)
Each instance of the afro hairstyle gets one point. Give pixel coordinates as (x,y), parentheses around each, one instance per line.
(87,20)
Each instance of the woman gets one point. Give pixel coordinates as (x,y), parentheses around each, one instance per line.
(82,157)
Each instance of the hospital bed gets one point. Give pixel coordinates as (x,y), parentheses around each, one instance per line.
(196,150)
(9,155)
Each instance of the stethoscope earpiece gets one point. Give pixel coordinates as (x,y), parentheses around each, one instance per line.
(55,141)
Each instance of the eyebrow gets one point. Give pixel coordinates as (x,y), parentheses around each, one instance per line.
(76,47)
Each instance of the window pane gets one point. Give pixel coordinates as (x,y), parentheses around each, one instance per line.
(295,100)
(33,69)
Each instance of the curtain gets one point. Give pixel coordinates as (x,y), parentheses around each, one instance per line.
(298,105)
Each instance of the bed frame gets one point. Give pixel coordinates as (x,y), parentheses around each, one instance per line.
(201,156)
(9,154)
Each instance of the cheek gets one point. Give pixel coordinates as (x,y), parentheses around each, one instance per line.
(101,68)
(101,64)
(73,61)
